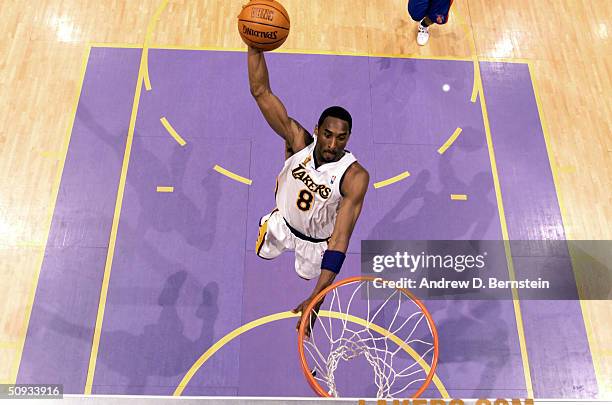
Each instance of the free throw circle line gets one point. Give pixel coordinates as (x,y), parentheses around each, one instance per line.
(286,315)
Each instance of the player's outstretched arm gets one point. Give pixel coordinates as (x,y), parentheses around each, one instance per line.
(354,188)
(271,107)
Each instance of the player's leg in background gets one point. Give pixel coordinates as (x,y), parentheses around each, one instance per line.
(419,11)
(438,11)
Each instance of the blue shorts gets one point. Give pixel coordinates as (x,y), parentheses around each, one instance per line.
(436,10)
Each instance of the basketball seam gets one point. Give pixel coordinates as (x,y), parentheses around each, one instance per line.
(266,43)
(260,23)
(269,5)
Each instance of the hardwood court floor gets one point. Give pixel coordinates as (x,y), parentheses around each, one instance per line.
(41,55)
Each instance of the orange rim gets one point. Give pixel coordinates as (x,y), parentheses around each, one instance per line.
(301,335)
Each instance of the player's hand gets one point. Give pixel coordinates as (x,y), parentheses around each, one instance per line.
(313,315)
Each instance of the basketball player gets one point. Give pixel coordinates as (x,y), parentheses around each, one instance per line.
(428,12)
(319,191)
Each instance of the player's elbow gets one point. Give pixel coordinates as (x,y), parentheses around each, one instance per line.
(258,90)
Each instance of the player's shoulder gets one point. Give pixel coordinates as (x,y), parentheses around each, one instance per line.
(355,179)
(356,170)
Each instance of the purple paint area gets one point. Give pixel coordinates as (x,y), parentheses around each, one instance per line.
(421,208)
(177,273)
(410,107)
(58,343)
(86,201)
(184,273)
(561,365)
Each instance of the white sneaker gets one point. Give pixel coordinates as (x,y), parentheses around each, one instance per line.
(423,35)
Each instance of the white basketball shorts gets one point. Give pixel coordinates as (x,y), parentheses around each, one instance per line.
(275,237)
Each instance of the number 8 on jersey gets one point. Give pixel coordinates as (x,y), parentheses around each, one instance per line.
(305,200)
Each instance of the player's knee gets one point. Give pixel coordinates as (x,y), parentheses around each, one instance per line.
(416,10)
(439,19)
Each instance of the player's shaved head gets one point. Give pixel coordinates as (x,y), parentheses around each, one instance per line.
(336,112)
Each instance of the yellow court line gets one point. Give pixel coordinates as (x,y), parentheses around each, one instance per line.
(233,176)
(30,244)
(311,52)
(600,375)
(286,315)
(145,48)
(116,45)
(449,141)
(9,345)
(165,189)
(56,186)
(172,131)
(113,235)
(459,197)
(504,228)
(504,60)
(392,180)
(51,154)
(476,84)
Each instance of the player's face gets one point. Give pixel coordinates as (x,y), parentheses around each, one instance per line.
(332,137)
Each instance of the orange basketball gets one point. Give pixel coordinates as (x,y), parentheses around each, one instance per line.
(263,24)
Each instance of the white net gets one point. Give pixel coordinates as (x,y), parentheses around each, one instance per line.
(392,334)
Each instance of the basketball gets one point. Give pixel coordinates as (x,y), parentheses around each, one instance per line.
(263,24)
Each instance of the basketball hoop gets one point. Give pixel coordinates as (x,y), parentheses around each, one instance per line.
(389,328)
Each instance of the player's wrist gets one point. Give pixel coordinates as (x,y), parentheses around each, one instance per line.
(332,260)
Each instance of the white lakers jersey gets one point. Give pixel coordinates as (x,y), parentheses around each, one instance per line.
(309,197)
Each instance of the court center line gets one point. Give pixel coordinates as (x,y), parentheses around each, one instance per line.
(450,141)
(113,235)
(286,315)
(232,175)
(392,180)
(459,197)
(600,375)
(51,210)
(506,238)
(145,47)
(165,189)
(179,139)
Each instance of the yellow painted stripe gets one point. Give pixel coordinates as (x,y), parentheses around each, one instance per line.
(504,60)
(459,197)
(51,209)
(286,315)
(9,345)
(233,175)
(477,80)
(312,52)
(165,189)
(31,244)
(392,180)
(473,51)
(504,228)
(93,358)
(596,351)
(145,48)
(51,154)
(450,141)
(115,45)
(172,131)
